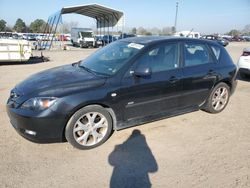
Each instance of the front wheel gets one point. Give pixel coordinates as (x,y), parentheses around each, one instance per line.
(218,99)
(89,127)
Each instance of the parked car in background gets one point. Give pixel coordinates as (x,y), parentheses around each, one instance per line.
(106,39)
(227,37)
(10,35)
(30,37)
(68,37)
(129,82)
(244,63)
(218,39)
(237,38)
(246,38)
(125,35)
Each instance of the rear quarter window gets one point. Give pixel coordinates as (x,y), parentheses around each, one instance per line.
(196,54)
(217,51)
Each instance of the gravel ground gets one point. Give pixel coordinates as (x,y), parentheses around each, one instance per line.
(192,150)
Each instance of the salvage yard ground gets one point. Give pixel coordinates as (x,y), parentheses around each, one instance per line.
(192,150)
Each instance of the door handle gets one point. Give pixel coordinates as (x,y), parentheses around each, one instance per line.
(173,79)
(210,74)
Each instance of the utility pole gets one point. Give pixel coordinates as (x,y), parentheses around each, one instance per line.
(176,14)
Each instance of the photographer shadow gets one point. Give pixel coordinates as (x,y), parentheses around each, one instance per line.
(132,161)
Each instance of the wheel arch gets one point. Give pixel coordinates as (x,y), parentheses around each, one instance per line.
(107,107)
(226,81)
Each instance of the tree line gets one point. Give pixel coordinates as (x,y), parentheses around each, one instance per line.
(38,26)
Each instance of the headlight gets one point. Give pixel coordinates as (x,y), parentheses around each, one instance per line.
(38,103)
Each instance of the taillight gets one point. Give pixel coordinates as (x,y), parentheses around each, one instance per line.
(246,54)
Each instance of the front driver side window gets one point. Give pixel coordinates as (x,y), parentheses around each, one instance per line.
(160,58)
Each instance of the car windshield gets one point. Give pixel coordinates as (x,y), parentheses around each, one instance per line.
(110,59)
(86,34)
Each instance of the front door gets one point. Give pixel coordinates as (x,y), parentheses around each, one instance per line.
(157,93)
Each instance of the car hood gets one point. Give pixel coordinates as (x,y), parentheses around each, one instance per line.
(59,81)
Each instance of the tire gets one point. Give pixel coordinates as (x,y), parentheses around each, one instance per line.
(218,98)
(89,127)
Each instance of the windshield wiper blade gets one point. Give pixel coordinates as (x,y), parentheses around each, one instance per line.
(76,63)
(87,69)
(92,71)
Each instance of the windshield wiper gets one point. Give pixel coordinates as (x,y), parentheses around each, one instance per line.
(92,71)
(76,63)
(87,69)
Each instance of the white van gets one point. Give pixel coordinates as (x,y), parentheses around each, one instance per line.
(14,50)
(189,34)
(83,37)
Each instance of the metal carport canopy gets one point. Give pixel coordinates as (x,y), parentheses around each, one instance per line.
(106,17)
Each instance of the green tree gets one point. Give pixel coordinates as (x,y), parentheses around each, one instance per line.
(2,25)
(37,26)
(134,31)
(234,32)
(166,31)
(148,33)
(141,31)
(20,26)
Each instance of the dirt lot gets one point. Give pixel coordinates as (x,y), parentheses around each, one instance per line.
(192,150)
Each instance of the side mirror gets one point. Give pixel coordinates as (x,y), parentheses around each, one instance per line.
(142,71)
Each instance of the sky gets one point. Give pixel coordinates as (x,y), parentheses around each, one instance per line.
(205,16)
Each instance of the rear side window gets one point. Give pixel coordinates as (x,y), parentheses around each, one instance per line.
(196,54)
(216,51)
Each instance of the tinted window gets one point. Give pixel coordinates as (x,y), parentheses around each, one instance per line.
(161,58)
(196,54)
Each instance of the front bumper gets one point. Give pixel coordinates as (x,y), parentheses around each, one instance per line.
(88,44)
(42,128)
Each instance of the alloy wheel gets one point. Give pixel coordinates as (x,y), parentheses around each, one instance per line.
(220,98)
(90,129)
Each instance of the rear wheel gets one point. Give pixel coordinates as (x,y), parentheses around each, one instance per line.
(89,127)
(218,98)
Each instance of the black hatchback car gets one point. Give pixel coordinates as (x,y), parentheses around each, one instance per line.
(129,82)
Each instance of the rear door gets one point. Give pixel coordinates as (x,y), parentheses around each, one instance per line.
(199,73)
(157,93)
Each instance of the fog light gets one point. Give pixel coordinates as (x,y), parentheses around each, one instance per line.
(33,133)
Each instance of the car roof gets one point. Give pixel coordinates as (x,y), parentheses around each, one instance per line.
(156,39)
